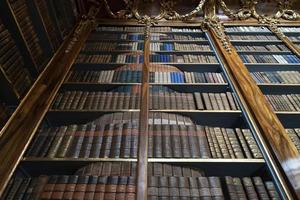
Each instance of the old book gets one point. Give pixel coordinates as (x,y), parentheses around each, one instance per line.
(49,187)
(97,141)
(237,149)
(193,141)
(249,187)
(57,141)
(157,141)
(239,188)
(107,140)
(215,188)
(221,142)
(86,146)
(176,141)
(207,101)
(184,141)
(213,100)
(243,143)
(60,187)
(228,144)
(111,187)
(215,142)
(199,102)
(231,101)
(116,141)
(260,188)
(231,188)
(66,141)
(252,143)
(204,140)
(173,187)
(91,187)
(166,141)
(210,143)
(100,188)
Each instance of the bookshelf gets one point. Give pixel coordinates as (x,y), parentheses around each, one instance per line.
(278,79)
(164,77)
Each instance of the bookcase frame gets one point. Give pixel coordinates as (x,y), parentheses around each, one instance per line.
(43,93)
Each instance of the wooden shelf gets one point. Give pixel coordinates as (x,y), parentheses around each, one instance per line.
(187,87)
(257,41)
(265,52)
(211,167)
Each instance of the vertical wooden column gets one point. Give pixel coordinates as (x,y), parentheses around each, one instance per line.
(143,127)
(279,151)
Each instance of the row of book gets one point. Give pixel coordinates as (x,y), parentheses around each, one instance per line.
(244,37)
(52,32)
(248,29)
(295,38)
(4,114)
(112,46)
(282,77)
(133,76)
(136,58)
(182,58)
(270,47)
(158,46)
(176,36)
(122,98)
(116,36)
(281,59)
(288,102)
(116,136)
(295,136)
(108,58)
(24,20)
(125,188)
(128,97)
(140,37)
(12,63)
(290,29)
(141,29)
(86,185)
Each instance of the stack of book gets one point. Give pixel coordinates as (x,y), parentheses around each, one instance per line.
(182,58)
(216,101)
(281,59)
(204,77)
(12,63)
(109,58)
(21,12)
(290,29)
(113,46)
(253,37)
(268,47)
(176,36)
(54,36)
(168,46)
(278,77)
(260,29)
(4,114)
(295,136)
(250,188)
(128,97)
(124,97)
(116,136)
(190,184)
(284,102)
(115,36)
